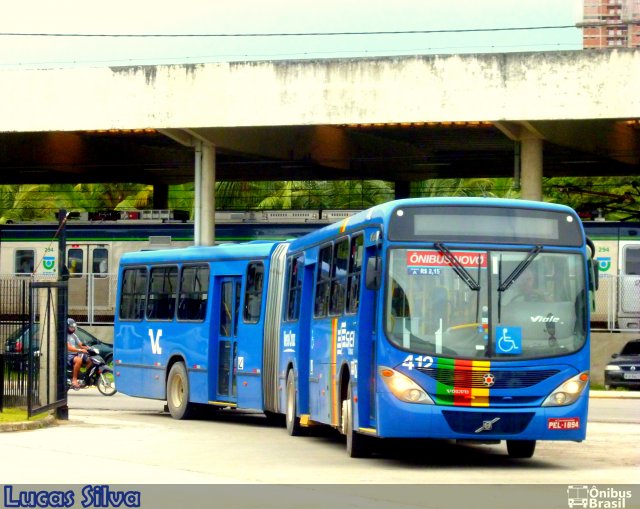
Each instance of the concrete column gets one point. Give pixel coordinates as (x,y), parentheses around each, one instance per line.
(205,183)
(531,168)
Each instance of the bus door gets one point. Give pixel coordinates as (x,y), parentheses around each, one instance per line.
(368,317)
(91,294)
(226,387)
(249,358)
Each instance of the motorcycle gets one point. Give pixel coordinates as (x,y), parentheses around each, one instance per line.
(99,375)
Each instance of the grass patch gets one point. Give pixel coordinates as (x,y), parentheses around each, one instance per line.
(600,387)
(19,415)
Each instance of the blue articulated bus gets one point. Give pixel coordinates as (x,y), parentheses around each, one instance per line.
(445,318)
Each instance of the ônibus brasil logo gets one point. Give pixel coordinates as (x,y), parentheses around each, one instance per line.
(582,495)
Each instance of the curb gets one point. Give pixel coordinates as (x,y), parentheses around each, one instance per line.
(50,420)
(615,394)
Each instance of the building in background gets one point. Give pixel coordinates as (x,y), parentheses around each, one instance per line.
(611,24)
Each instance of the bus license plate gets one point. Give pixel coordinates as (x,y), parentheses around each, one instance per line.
(564,423)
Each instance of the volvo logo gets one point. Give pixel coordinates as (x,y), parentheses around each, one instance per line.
(488,379)
(487,425)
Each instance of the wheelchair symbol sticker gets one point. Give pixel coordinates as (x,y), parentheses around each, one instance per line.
(508,340)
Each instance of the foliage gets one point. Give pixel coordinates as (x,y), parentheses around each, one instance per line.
(615,197)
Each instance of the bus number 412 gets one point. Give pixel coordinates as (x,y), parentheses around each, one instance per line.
(417,361)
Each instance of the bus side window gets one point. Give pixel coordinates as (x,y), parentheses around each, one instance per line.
(25,261)
(253,292)
(355,273)
(162,293)
(339,277)
(75,261)
(100,262)
(294,288)
(323,281)
(194,287)
(134,294)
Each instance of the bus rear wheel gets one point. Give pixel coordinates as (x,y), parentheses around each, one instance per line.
(178,392)
(357,444)
(293,422)
(521,448)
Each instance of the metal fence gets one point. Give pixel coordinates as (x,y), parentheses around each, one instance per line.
(617,304)
(92,297)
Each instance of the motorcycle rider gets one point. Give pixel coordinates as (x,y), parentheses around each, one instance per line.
(77,352)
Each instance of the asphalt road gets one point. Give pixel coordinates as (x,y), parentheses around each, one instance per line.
(127,440)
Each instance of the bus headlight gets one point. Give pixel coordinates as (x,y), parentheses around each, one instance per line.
(403,388)
(569,391)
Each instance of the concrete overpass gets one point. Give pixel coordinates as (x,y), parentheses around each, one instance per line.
(399,119)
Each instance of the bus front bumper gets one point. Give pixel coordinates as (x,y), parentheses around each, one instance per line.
(406,420)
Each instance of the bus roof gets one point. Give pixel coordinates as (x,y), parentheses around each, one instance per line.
(255,249)
(380,214)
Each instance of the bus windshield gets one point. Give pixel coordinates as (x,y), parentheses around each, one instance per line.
(431,307)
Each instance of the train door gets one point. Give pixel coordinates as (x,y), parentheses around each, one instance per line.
(629,298)
(226,387)
(91,294)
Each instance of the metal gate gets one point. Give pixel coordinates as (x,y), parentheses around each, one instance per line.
(33,346)
(47,378)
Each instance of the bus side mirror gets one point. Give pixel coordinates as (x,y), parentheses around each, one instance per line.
(372,277)
(594,282)
(593,266)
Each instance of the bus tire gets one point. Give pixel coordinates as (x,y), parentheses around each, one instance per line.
(521,448)
(292,420)
(178,392)
(357,444)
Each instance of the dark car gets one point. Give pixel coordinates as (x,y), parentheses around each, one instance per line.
(18,343)
(624,368)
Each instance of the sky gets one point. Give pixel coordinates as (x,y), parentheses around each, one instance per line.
(228,23)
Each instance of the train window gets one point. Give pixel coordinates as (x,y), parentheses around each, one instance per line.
(75,262)
(632,261)
(253,292)
(163,285)
(25,261)
(134,294)
(100,262)
(194,287)
(321,301)
(339,276)
(355,272)
(294,288)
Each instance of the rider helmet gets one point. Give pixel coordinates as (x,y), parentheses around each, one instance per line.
(71,325)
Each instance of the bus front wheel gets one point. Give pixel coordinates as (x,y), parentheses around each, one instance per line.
(293,422)
(357,444)
(178,392)
(521,448)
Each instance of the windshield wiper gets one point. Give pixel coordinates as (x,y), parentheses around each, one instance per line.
(458,267)
(519,269)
